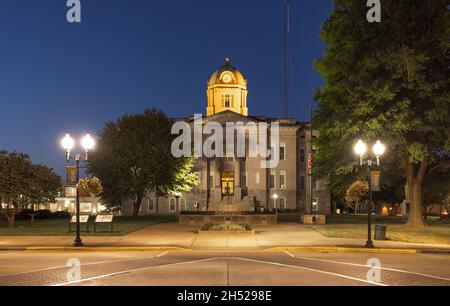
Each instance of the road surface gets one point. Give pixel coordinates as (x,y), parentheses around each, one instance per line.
(221,268)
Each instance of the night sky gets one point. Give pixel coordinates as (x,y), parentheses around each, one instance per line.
(129,55)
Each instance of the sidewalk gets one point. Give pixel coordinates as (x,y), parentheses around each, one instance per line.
(186,237)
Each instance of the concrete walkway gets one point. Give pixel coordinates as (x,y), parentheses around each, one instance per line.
(175,235)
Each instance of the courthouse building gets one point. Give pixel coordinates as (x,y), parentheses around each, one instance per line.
(233,184)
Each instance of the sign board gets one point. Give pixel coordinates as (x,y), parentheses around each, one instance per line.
(83,219)
(71,175)
(375,181)
(104,218)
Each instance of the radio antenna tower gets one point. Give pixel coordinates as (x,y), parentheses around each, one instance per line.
(286,58)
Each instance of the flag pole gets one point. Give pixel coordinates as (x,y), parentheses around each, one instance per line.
(310,161)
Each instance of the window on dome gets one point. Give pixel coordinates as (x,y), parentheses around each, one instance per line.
(227,100)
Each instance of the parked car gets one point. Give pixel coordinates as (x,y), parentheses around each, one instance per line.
(61,215)
(24,214)
(43,215)
(444,215)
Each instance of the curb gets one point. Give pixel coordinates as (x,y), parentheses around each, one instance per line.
(274,249)
(345,250)
(94,249)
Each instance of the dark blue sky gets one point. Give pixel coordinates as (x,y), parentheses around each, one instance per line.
(128,55)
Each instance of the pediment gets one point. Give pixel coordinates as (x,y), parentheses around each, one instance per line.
(229,116)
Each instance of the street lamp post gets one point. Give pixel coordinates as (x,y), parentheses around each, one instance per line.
(361,150)
(275,197)
(68,144)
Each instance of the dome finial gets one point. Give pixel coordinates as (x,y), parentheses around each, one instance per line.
(227,61)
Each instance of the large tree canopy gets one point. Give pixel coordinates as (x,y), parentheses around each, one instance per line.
(388,81)
(133,157)
(24,184)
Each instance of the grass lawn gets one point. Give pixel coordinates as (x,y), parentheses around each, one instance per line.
(60,227)
(355,226)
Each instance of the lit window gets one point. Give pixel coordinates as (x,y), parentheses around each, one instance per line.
(227,100)
(86,207)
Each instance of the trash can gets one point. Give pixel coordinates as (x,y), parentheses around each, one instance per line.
(380,232)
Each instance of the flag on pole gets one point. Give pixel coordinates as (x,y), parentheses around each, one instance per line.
(310,161)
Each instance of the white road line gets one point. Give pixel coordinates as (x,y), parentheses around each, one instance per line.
(130,271)
(87,264)
(435,256)
(162,254)
(366,266)
(218,258)
(11,253)
(308,269)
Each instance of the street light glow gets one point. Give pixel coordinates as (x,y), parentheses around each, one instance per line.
(379,149)
(67,142)
(88,143)
(360,148)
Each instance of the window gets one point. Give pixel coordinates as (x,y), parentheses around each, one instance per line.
(302,156)
(272,181)
(257,178)
(302,182)
(282,203)
(314,184)
(282,152)
(151,204)
(183,204)
(283,180)
(272,203)
(172,204)
(71,191)
(227,100)
(86,207)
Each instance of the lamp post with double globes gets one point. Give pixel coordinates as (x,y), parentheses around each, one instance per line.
(361,150)
(88,144)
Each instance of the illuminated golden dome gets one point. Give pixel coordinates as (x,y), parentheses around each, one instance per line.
(221,76)
(227,90)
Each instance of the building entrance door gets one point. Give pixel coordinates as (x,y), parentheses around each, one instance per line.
(227,183)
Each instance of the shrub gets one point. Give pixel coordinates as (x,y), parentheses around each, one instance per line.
(212,227)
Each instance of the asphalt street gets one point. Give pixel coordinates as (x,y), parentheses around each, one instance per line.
(221,268)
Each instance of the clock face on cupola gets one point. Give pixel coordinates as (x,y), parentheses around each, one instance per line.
(227,78)
(227,91)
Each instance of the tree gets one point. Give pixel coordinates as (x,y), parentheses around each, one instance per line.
(436,189)
(23,184)
(133,158)
(356,194)
(90,187)
(387,80)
